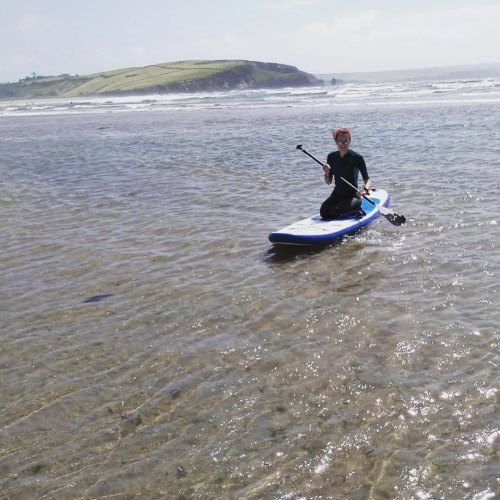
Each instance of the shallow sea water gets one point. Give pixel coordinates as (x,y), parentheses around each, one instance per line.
(154,344)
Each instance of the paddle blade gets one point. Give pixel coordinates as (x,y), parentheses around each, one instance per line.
(395,219)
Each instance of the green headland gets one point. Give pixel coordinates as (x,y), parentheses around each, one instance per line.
(180,76)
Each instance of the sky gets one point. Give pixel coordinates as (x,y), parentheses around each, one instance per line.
(51,37)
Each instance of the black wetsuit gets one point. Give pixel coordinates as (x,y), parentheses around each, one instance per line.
(343,199)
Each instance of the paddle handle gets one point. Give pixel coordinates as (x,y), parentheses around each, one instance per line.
(299,146)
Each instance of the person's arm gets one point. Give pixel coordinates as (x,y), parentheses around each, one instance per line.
(328,173)
(367,182)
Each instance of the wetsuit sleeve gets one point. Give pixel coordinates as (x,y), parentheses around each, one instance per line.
(362,169)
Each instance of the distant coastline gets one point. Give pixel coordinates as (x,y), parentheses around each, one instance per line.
(179,76)
(466,72)
(219,75)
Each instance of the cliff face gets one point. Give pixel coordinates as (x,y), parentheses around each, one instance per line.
(183,76)
(250,75)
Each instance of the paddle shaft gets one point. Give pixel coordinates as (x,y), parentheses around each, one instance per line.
(356,189)
(322,164)
(310,155)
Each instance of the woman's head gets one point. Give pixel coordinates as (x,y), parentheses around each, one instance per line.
(342,138)
(341,132)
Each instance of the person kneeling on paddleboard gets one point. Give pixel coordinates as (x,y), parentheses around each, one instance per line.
(348,164)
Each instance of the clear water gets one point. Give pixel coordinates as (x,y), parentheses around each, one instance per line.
(155,344)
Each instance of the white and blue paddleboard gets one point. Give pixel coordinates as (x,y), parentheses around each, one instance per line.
(317,231)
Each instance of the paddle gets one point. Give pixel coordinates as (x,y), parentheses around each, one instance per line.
(391,216)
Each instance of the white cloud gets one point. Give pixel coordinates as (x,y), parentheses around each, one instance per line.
(31,23)
(318,36)
(391,40)
(373,26)
(291,5)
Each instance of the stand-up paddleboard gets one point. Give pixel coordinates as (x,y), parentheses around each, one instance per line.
(317,231)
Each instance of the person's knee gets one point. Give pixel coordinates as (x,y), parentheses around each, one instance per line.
(356,204)
(323,211)
(328,211)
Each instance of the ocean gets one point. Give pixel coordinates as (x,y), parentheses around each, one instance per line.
(155,344)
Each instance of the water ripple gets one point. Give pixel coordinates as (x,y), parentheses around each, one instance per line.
(154,342)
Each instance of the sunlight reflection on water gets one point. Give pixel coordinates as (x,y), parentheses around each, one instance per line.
(215,365)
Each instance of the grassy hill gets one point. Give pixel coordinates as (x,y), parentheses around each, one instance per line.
(181,76)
